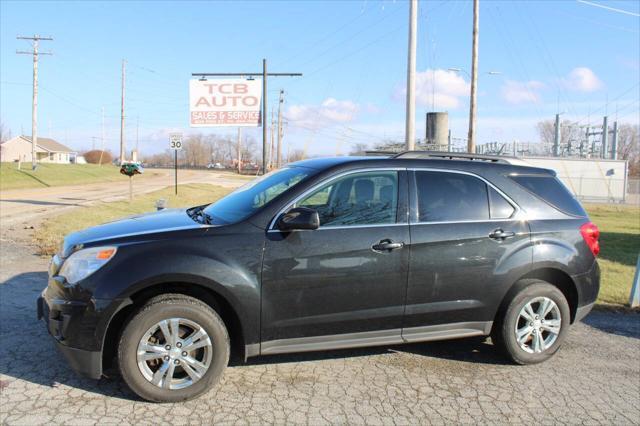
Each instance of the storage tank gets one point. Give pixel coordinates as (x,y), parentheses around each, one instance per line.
(437,128)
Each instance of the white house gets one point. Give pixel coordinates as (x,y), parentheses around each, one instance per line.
(47,150)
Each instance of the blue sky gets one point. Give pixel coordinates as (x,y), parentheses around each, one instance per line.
(552,56)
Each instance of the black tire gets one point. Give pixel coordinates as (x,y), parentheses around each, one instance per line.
(165,307)
(504,331)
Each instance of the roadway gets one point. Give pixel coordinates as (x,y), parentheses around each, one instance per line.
(24,205)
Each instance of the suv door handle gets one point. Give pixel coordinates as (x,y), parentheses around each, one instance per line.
(499,234)
(386,245)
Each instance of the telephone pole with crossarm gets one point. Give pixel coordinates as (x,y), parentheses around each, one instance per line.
(34,105)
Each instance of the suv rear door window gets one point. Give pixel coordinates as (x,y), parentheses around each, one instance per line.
(449,197)
(367,198)
(552,191)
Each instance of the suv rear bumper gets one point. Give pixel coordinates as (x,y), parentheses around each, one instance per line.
(87,363)
(588,286)
(583,311)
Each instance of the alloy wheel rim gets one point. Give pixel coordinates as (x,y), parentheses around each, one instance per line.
(174,353)
(538,325)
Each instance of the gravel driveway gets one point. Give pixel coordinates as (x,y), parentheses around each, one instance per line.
(594,379)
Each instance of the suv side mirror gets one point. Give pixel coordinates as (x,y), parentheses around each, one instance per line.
(299,218)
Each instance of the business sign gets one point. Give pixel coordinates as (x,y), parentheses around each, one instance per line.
(175,141)
(224,102)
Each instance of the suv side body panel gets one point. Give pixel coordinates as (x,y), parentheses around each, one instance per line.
(226,260)
(558,244)
(457,273)
(330,282)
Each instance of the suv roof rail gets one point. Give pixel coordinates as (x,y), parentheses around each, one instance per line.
(458,156)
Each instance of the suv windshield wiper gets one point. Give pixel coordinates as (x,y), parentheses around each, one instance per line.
(198,214)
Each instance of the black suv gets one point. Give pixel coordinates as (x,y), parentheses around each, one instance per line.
(325,254)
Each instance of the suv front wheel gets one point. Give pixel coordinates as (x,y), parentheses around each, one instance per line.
(535,323)
(175,348)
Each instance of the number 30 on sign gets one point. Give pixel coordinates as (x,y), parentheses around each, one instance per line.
(175,141)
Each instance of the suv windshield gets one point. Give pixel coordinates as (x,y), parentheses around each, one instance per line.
(249,198)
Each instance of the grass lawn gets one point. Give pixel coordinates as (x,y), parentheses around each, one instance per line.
(619,248)
(56,175)
(49,235)
(619,227)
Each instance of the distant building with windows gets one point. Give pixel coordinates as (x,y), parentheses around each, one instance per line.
(47,151)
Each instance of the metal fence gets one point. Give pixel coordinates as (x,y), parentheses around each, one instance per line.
(633,191)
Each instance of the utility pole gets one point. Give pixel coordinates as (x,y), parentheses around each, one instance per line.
(605,137)
(279,155)
(102,139)
(614,144)
(34,105)
(272,150)
(239,150)
(263,116)
(556,139)
(471,137)
(137,131)
(122,141)
(410,130)
(264,74)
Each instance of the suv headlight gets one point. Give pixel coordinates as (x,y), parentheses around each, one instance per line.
(85,262)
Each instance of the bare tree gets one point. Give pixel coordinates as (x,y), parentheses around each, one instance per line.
(250,151)
(5,132)
(163,159)
(359,148)
(629,147)
(196,152)
(547,131)
(296,155)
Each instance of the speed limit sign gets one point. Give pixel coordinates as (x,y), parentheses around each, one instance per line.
(175,141)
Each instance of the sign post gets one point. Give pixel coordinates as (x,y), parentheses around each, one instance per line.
(175,143)
(634,297)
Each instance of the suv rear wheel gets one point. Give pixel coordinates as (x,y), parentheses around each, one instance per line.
(175,348)
(535,323)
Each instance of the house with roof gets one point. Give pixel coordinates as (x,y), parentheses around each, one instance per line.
(47,151)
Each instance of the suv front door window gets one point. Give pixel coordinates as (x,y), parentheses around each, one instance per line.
(360,199)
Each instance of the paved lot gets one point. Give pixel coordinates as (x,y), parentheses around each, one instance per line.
(594,379)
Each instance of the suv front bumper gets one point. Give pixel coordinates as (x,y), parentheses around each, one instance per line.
(57,317)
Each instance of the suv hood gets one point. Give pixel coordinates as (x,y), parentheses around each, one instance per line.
(148,223)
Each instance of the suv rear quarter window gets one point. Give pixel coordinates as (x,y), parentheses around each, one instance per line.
(549,189)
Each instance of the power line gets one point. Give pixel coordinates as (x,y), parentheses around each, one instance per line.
(352,53)
(351,37)
(311,47)
(612,9)
(607,103)
(551,65)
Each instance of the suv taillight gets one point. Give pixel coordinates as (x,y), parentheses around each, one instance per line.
(590,233)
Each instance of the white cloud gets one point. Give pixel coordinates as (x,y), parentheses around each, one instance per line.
(330,111)
(439,87)
(582,79)
(521,92)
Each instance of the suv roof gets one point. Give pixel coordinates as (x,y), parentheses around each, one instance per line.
(460,161)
